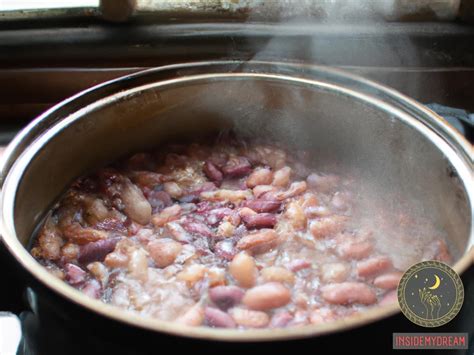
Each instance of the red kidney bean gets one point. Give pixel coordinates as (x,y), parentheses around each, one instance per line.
(212,172)
(74,274)
(263,205)
(226,297)
(348,293)
(281,319)
(97,251)
(373,266)
(216,318)
(197,228)
(237,167)
(261,220)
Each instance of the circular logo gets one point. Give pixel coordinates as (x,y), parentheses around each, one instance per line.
(430,293)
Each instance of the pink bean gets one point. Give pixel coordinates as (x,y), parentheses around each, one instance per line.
(373,266)
(281,319)
(226,297)
(388,281)
(354,249)
(74,274)
(216,318)
(267,296)
(261,220)
(348,293)
(299,264)
(212,172)
(260,241)
(198,228)
(263,205)
(92,289)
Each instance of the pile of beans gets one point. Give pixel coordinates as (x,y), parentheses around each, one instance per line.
(234,235)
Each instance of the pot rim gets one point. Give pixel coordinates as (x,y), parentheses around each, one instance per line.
(41,130)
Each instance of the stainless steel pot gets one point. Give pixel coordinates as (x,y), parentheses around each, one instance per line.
(401,146)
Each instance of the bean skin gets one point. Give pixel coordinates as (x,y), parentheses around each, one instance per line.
(218,319)
(277,274)
(373,266)
(347,293)
(226,297)
(267,296)
(74,274)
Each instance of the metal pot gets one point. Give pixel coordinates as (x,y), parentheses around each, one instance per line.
(401,145)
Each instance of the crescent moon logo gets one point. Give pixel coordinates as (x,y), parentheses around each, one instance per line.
(436,284)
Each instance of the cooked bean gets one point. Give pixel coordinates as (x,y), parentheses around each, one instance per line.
(193,317)
(354,249)
(282,177)
(136,206)
(237,167)
(173,189)
(373,266)
(295,214)
(234,196)
(326,226)
(281,319)
(226,297)
(389,280)
(166,215)
(92,289)
(389,298)
(299,264)
(246,212)
(74,274)
(260,176)
(197,228)
(138,265)
(267,296)
(159,200)
(225,249)
(100,272)
(258,242)
(164,251)
(348,293)
(243,270)
(70,251)
(261,190)
(249,319)
(262,206)
(178,232)
(192,274)
(212,172)
(295,189)
(260,220)
(277,274)
(97,251)
(218,319)
(322,315)
(335,272)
